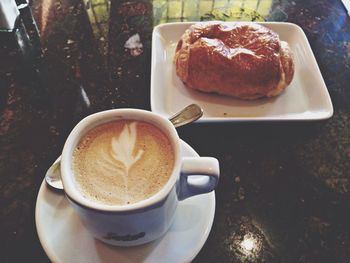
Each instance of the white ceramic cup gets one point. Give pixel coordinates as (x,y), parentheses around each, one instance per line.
(149,219)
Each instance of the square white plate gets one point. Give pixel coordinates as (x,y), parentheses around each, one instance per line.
(306,98)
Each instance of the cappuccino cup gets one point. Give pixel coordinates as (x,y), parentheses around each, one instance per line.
(124,175)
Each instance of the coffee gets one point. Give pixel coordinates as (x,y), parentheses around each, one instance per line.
(122,162)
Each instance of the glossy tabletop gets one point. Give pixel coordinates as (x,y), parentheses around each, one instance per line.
(284,189)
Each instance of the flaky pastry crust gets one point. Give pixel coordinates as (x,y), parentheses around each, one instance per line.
(243,60)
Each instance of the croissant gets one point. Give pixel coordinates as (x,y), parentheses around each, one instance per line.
(243,60)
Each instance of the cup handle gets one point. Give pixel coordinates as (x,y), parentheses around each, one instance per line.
(199,175)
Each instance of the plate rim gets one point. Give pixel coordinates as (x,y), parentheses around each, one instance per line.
(324,114)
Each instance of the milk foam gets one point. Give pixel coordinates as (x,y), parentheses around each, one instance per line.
(123,146)
(122,162)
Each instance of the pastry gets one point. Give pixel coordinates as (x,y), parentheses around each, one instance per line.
(243,60)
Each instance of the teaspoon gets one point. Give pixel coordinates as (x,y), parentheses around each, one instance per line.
(189,114)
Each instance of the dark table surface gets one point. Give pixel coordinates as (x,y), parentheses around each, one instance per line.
(284,185)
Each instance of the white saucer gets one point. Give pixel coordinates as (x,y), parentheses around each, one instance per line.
(65,239)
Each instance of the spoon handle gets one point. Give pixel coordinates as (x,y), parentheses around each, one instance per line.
(189,114)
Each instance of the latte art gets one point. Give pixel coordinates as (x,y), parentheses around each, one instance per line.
(122,162)
(123,147)
(121,156)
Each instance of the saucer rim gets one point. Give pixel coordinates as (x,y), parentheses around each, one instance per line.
(185,147)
